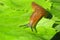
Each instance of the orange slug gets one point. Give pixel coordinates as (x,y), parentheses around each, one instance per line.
(37,14)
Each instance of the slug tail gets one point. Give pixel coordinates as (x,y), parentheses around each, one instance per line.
(48,15)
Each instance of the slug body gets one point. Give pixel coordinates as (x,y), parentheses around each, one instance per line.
(38,13)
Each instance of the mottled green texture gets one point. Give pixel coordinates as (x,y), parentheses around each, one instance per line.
(13,13)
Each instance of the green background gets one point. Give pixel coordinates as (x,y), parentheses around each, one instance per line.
(14,13)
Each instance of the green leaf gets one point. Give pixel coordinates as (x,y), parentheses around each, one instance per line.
(17,12)
(55,8)
(57,28)
(55,1)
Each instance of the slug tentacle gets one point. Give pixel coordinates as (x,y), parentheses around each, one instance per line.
(34,29)
(26,25)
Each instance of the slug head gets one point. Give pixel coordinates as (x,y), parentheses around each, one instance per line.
(28,25)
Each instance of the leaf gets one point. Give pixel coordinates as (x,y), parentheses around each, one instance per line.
(17,12)
(57,27)
(55,1)
(55,8)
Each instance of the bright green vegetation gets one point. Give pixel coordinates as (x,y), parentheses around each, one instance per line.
(16,12)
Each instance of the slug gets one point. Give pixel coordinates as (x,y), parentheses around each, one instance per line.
(38,13)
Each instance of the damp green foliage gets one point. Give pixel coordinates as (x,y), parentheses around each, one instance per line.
(13,13)
(55,10)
